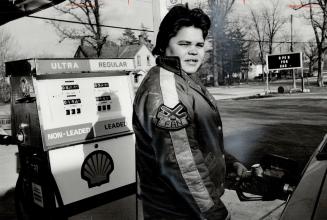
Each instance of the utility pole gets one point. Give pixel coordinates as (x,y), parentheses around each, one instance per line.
(293,72)
(291,33)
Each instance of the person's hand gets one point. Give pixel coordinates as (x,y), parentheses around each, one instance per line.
(240,170)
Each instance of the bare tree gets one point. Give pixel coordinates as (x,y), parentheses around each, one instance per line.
(274,22)
(310,52)
(258,35)
(6,53)
(219,11)
(87,12)
(265,24)
(318,20)
(6,44)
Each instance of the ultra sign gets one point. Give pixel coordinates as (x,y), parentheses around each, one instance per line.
(284,61)
(52,66)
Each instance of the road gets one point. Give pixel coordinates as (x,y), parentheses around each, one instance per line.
(290,125)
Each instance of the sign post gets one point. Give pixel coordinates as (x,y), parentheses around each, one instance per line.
(284,62)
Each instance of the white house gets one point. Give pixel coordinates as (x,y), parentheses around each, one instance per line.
(255,70)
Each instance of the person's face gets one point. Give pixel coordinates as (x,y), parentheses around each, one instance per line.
(188,45)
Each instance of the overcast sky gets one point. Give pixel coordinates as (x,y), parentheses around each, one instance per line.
(301,27)
(35,37)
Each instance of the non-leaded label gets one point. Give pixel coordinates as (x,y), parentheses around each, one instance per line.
(68,134)
(82,132)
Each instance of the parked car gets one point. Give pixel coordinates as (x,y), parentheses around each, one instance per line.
(309,200)
(306,196)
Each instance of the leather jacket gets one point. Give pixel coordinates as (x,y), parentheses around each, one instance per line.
(179,146)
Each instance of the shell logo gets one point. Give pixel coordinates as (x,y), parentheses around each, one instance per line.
(96,168)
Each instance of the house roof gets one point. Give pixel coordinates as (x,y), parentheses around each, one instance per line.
(129,51)
(109,51)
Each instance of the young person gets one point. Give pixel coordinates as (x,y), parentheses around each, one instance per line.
(179,140)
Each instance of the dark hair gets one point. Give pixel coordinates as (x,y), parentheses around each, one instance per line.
(179,16)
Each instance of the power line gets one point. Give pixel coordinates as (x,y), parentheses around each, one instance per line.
(274,42)
(145,1)
(77,22)
(138,29)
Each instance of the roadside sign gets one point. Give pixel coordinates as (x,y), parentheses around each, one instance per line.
(284,61)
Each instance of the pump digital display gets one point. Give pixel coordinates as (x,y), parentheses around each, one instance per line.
(72,101)
(69,87)
(103,98)
(101,85)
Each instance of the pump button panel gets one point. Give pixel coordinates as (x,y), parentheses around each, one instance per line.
(77,109)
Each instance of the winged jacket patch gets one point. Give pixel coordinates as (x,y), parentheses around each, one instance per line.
(172,118)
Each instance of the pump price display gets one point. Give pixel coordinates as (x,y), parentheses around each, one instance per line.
(69,87)
(101,85)
(72,101)
(103,98)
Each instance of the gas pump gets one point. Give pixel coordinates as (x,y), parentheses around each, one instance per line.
(72,122)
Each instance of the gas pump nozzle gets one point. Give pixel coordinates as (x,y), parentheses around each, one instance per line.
(274,178)
(7,140)
(11,140)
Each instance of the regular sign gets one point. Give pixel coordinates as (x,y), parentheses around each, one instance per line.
(284,61)
(52,66)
